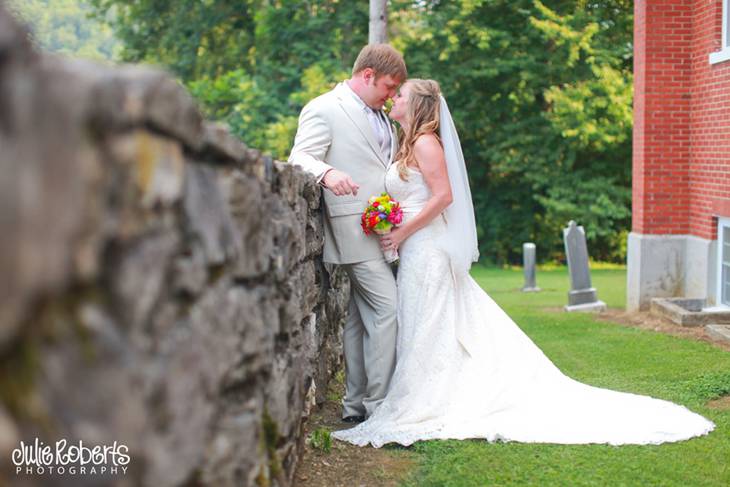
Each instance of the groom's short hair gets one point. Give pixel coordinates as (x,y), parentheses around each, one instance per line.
(383,59)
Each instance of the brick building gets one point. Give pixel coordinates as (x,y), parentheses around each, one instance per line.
(680,239)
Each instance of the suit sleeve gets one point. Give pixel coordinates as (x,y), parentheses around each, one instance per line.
(312,142)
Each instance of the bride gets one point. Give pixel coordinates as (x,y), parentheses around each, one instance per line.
(464,368)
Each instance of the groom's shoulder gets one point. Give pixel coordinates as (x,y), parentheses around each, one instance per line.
(324,100)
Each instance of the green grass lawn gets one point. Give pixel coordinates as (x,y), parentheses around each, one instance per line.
(605,355)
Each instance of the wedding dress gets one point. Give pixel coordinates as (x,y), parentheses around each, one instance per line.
(466,370)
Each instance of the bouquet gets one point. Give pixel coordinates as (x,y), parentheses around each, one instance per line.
(381,215)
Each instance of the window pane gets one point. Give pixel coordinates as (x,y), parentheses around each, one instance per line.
(725,266)
(724,237)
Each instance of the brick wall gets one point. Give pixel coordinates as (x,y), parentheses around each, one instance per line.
(709,123)
(681,161)
(661,131)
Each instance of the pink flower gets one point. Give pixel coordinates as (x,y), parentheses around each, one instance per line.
(395,217)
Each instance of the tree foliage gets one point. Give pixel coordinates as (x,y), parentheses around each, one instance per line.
(540,92)
(64,26)
(252,63)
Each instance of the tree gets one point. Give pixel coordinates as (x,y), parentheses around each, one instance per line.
(542,98)
(247,61)
(65,26)
(192,38)
(540,92)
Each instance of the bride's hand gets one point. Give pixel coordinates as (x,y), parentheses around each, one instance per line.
(393,239)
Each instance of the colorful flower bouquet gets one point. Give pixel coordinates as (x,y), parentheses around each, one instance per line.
(381,215)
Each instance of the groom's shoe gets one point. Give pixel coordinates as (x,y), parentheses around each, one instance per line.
(353,419)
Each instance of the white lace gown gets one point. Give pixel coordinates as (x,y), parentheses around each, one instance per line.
(507,389)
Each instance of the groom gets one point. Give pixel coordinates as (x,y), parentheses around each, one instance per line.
(345,139)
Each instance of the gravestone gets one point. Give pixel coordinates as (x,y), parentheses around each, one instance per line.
(528,264)
(582,296)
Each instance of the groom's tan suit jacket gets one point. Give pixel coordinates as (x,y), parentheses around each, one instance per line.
(334,132)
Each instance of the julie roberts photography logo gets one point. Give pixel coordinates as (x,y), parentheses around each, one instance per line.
(65,458)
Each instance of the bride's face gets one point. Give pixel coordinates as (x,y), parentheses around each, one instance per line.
(400,104)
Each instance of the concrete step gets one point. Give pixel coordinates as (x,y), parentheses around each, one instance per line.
(689,311)
(719,332)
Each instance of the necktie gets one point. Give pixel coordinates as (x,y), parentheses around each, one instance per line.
(380,127)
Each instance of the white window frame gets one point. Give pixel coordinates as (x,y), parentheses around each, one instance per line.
(722,223)
(724,53)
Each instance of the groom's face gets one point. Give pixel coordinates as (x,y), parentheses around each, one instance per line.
(378,88)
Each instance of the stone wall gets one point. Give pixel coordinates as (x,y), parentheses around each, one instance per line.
(162,285)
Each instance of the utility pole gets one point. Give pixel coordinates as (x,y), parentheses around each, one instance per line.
(378,32)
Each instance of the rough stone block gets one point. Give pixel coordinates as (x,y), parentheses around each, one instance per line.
(207,215)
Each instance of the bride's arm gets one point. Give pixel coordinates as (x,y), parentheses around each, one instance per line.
(432,164)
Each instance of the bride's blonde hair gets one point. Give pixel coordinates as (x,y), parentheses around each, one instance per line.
(422,118)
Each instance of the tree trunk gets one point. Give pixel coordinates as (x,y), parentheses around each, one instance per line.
(378,22)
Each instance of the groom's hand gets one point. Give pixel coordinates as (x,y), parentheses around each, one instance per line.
(339,183)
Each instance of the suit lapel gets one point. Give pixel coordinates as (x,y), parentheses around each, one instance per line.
(358,117)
